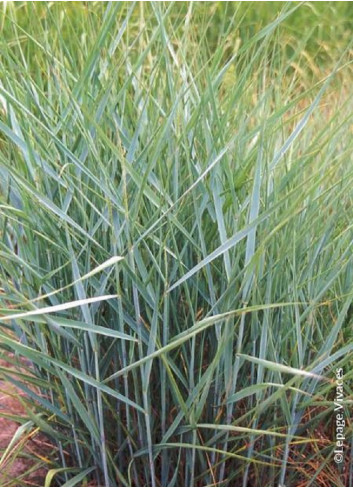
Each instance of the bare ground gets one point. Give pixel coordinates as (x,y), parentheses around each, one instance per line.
(25,463)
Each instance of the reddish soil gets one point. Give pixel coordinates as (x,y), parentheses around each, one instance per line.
(24,464)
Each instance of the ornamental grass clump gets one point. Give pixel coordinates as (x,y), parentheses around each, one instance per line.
(176,237)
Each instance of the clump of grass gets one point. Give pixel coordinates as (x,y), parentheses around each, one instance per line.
(176,238)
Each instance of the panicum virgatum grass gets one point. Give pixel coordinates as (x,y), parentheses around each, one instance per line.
(176,237)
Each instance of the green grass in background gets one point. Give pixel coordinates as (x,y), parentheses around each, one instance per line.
(209,146)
